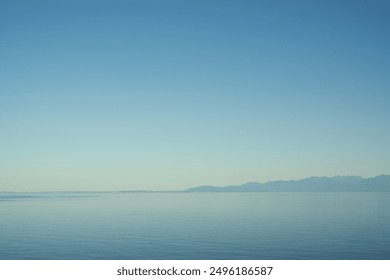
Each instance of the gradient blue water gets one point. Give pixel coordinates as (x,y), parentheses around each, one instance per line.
(195,226)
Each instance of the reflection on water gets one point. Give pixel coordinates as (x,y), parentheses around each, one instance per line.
(195,225)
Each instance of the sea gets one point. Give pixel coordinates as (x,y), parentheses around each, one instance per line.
(194,226)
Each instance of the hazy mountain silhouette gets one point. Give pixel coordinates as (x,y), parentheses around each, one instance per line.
(312,184)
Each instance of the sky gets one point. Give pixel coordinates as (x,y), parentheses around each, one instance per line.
(167,95)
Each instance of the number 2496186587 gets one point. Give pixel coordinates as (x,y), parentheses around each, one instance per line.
(241,270)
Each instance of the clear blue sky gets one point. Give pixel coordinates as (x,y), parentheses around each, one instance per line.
(103,95)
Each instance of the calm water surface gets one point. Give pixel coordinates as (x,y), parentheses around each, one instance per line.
(195,226)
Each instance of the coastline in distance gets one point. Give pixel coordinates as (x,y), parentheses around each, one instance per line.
(311,184)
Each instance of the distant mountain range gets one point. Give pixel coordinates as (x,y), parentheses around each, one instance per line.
(312,184)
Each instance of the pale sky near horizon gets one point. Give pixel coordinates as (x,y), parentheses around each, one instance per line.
(113,95)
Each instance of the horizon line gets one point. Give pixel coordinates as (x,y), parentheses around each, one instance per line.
(188,188)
